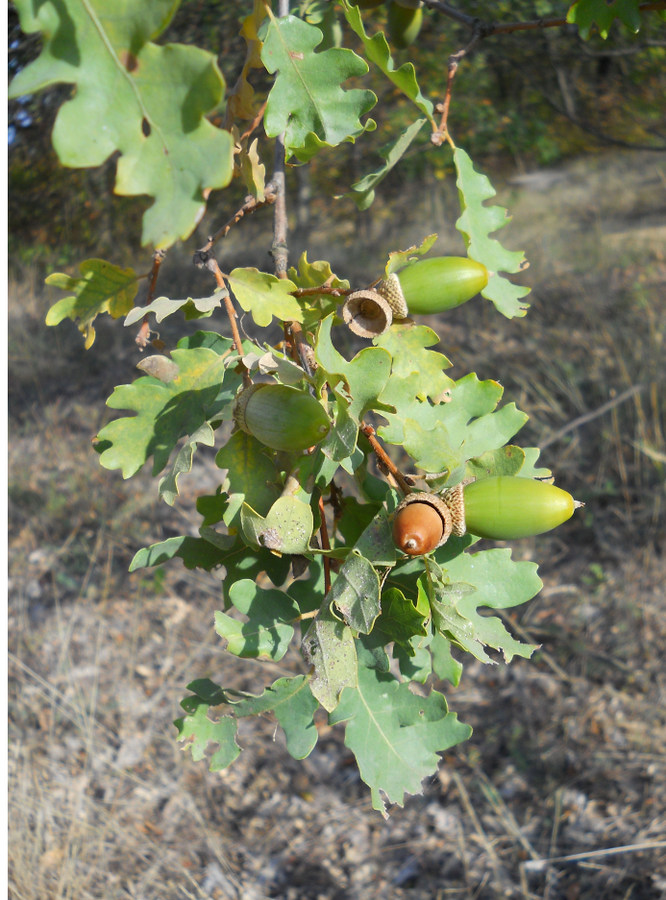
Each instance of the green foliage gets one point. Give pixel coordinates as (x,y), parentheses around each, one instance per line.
(395,735)
(202,391)
(193,308)
(302,538)
(603,13)
(476,223)
(264,296)
(144,101)
(307,101)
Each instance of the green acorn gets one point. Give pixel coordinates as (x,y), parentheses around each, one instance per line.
(507,507)
(281,417)
(433,285)
(403,24)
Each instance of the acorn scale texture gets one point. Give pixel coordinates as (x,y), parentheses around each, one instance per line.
(433,285)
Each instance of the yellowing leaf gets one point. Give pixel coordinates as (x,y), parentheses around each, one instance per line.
(240,102)
(102,288)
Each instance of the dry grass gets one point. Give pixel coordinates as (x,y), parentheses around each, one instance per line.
(567,754)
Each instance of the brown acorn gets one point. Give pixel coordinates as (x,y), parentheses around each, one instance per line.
(422,523)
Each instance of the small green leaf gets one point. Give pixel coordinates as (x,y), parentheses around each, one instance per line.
(400,620)
(406,344)
(486,579)
(291,702)
(355,519)
(264,296)
(443,663)
(399,259)
(378,52)
(287,527)
(252,170)
(182,464)
(102,288)
(251,475)
(199,308)
(441,438)
(365,376)
(315,274)
(340,442)
(328,646)
(507,460)
(199,731)
(477,223)
(196,553)
(394,734)
(586,13)
(307,101)
(355,593)
(268,631)
(414,659)
(449,621)
(376,542)
(529,469)
(363,192)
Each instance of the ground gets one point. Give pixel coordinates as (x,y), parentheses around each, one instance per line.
(567,752)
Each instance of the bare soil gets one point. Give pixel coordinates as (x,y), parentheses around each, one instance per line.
(567,756)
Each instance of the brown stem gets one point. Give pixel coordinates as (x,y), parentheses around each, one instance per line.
(143,336)
(402,482)
(322,289)
(256,121)
(326,545)
(440,134)
(250,204)
(206,260)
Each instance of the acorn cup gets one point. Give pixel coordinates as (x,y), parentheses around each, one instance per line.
(403,23)
(421,524)
(367,313)
(433,285)
(281,417)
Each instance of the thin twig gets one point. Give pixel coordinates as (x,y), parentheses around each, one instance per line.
(143,336)
(206,260)
(250,204)
(440,135)
(403,482)
(325,545)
